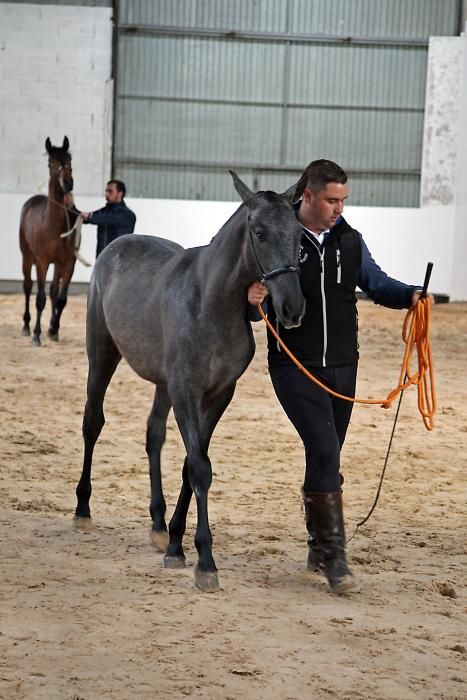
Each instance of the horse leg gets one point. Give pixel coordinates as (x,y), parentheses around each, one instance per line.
(175,556)
(155,438)
(40,301)
(103,360)
(53,294)
(61,300)
(27,288)
(197,428)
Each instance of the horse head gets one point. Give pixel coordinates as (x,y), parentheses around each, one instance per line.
(60,164)
(274,242)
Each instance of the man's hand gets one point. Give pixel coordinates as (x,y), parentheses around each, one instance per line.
(257,293)
(85,215)
(416,296)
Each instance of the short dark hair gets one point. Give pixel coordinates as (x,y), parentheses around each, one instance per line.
(119,185)
(319,173)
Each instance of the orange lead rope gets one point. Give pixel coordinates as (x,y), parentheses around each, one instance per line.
(415,332)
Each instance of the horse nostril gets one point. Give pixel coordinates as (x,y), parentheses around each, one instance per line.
(292,317)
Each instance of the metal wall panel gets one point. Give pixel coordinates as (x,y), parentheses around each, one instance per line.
(360,76)
(409,19)
(372,18)
(265,86)
(230,15)
(184,132)
(66,3)
(200,69)
(356,137)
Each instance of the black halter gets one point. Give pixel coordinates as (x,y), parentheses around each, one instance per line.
(274,273)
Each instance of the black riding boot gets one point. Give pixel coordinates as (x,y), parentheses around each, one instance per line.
(328,524)
(315,561)
(315,557)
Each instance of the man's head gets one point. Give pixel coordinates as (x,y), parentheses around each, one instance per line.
(324,194)
(115,191)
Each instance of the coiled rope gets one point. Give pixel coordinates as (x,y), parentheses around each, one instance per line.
(415,333)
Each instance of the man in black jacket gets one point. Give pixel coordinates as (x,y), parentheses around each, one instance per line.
(334,260)
(113,220)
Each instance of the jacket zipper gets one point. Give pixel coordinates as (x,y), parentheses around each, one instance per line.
(323,300)
(323,296)
(338,261)
(279,349)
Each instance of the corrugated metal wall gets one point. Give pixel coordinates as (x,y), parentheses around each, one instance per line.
(265,86)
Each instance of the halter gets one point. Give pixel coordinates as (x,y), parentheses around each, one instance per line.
(274,273)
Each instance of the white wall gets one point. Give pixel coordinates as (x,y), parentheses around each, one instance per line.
(55,80)
(402,241)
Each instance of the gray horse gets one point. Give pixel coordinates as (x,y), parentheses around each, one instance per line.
(179,318)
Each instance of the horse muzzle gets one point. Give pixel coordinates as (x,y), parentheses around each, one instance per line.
(289,302)
(290,317)
(66,184)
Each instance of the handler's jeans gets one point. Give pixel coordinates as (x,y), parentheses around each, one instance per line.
(320,419)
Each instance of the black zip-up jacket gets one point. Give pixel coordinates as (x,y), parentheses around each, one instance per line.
(328,334)
(112,221)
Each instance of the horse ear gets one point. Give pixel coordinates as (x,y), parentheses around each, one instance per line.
(66,144)
(48,145)
(294,193)
(242,189)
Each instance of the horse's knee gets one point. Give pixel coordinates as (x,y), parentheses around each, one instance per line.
(93,417)
(155,438)
(199,473)
(93,422)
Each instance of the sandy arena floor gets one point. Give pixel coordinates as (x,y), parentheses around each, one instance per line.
(91,615)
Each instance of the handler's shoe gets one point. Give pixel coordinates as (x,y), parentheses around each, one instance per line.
(327,518)
(339,576)
(315,556)
(315,560)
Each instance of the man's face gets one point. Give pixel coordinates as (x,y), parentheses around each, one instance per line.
(322,209)
(112,195)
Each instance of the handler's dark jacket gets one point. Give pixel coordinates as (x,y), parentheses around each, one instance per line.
(112,221)
(328,334)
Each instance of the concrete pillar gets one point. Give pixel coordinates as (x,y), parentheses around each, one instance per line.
(459,276)
(463,15)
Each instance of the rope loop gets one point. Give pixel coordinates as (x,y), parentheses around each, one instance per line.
(415,333)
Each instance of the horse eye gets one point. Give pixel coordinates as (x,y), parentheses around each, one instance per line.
(260,235)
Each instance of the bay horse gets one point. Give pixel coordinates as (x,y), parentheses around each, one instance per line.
(43,219)
(179,318)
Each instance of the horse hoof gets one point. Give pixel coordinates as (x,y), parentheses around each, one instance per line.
(206,581)
(174,562)
(26,332)
(36,341)
(159,539)
(82,523)
(53,335)
(347,584)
